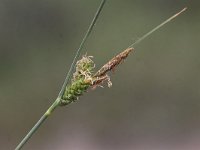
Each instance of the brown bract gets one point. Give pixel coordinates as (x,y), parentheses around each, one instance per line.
(113,62)
(101,76)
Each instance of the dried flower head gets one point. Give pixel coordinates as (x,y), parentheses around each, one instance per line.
(113,62)
(101,75)
(83,78)
(84,67)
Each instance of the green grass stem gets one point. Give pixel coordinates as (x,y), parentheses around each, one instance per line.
(157,27)
(57,101)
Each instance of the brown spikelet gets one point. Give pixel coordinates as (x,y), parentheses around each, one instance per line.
(113,62)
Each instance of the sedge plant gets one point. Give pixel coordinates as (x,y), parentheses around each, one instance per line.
(85,76)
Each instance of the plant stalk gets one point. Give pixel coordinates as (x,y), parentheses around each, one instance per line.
(158,27)
(57,101)
(38,124)
(81,47)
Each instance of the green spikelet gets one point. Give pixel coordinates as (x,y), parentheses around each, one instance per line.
(76,89)
(81,81)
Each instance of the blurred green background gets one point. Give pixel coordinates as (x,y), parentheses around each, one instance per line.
(154,102)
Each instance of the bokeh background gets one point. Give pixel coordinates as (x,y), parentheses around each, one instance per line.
(154,103)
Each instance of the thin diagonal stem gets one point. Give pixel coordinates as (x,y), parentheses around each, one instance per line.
(80,48)
(56,102)
(157,27)
(38,124)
